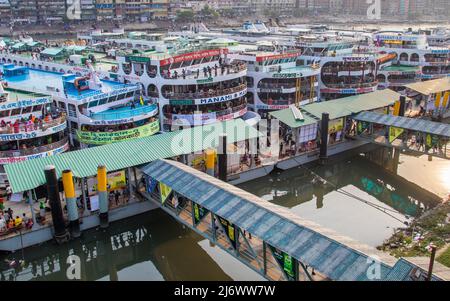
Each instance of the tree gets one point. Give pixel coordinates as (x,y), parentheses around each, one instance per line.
(185,16)
(207,11)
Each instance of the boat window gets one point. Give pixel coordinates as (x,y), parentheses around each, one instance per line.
(37,108)
(129,94)
(27,110)
(102,101)
(121,96)
(196,62)
(93,104)
(15,112)
(4,113)
(72,110)
(62,105)
(112,98)
(176,65)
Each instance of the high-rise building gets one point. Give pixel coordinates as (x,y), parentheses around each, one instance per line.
(50,11)
(24,11)
(5,12)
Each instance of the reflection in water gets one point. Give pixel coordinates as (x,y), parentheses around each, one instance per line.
(354,196)
(151,246)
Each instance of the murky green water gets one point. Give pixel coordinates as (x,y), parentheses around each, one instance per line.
(354,197)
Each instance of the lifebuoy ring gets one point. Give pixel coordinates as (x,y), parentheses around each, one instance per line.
(77,85)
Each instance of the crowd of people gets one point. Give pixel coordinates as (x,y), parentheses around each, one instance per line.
(27,124)
(9,223)
(207,71)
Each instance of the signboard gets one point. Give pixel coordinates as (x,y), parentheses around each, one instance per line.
(182,102)
(336,125)
(151,184)
(394,133)
(287,75)
(349,91)
(286,262)
(199,213)
(53,152)
(362,127)
(232,115)
(164,191)
(229,229)
(33,134)
(222,98)
(205,81)
(115,181)
(356,59)
(277,56)
(137,59)
(193,56)
(272,107)
(100,138)
(24,103)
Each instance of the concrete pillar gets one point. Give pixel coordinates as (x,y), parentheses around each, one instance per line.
(210,162)
(71,201)
(60,233)
(222,155)
(30,199)
(324,138)
(402,106)
(102,191)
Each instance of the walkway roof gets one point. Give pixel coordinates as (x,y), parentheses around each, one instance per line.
(413,124)
(354,104)
(83,163)
(52,51)
(287,117)
(431,86)
(336,256)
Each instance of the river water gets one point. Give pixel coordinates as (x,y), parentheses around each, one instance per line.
(351,195)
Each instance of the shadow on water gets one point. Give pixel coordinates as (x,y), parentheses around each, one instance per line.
(313,181)
(150,246)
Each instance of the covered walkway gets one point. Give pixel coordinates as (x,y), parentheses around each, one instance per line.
(268,238)
(408,134)
(29,175)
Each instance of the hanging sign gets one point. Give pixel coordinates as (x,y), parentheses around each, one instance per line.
(362,127)
(151,184)
(199,213)
(394,133)
(229,229)
(286,262)
(164,192)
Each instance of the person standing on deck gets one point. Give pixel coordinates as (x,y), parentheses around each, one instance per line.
(8,193)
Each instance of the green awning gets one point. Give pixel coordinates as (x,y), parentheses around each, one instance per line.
(19,45)
(287,117)
(52,51)
(28,175)
(431,86)
(354,104)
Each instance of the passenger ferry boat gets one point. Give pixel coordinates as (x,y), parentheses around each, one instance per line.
(193,87)
(414,50)
(31,126)
(274,80)
(345,70)
(98,111)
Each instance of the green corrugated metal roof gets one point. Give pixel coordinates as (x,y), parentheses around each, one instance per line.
(287,117)
(83,163)
(431,86)
(18,45)
(354,104)
(401,68)
(52,51)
